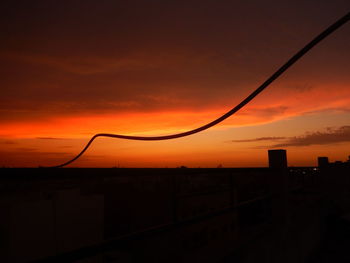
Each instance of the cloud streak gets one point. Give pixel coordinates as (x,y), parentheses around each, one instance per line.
(329,136)
(261,139)
(48,138)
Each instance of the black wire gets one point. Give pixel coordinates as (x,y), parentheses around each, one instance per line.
(263,86)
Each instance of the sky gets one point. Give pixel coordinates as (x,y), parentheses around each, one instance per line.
(70,69)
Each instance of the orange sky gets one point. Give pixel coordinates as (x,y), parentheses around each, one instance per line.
(72,70)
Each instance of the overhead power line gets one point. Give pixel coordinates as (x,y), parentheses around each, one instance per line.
(244,102)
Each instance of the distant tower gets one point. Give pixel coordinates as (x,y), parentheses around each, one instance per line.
(278,159)
(322,162)
(279,189)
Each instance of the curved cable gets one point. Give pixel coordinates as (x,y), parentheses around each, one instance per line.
(263,86)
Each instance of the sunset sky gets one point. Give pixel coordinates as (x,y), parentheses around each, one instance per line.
(70,69)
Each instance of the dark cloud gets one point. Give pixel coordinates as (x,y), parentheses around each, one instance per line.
(52,153)
(8,142)
(261,139)
(329,136)
(48,138)
(26,149)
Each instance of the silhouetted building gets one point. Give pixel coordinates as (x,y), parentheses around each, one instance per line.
(277,159)
(323,162)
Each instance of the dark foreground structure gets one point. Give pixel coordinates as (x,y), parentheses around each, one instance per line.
(275,214)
